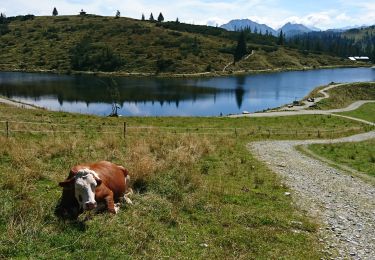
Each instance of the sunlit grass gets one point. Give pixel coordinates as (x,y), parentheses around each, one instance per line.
(365,112)
(345,95)
(359,156)
(196,195)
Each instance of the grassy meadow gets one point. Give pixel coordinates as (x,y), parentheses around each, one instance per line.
(199,193)
(345,95)
(365,112)
(358,156)
(128,46)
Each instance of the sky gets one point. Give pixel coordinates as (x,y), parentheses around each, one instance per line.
(323,14)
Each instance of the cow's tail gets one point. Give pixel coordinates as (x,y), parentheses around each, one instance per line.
(128,190)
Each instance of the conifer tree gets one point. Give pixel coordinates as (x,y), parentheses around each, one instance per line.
(4,29)
(280,41)
(161,18)
(241,48)
(143,17)
(54,12)
(117,14)
(152,19)
(177,21)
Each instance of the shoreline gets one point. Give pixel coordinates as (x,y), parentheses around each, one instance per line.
(214,74)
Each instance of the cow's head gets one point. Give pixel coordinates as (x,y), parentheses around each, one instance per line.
(85,182)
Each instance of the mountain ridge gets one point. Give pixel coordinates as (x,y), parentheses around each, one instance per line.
(289,29)
(240,24)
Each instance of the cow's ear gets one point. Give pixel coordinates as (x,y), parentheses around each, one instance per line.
(66,183)
(98,182)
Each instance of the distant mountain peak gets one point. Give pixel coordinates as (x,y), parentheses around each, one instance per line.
(241,24)
(293,29)
(289,29)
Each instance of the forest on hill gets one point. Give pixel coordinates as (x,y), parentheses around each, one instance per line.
(354,42)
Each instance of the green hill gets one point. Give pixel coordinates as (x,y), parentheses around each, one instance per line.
(128,46)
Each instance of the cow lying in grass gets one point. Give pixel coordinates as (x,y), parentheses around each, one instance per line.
(100,186)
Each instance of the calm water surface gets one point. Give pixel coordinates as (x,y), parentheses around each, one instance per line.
(171,97)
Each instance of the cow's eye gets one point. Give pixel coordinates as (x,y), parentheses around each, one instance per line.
(80,198)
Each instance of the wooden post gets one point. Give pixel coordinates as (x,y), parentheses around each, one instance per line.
(235,132)
(124,130)
(7,127)
(319,133)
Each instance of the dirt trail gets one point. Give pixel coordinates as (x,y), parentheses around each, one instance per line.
(344,204)
(246,58)
(16,104)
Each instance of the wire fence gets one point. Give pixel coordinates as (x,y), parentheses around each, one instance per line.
(11,128)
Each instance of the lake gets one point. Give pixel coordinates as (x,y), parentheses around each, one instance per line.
(171,97)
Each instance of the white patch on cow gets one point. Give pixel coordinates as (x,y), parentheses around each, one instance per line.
(117,207)
(85,185)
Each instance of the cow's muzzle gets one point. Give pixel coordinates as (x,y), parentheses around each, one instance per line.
(90,205)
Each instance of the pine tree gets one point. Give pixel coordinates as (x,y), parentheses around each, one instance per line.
(143,17)
(161,18)
(4,29)
(152,18)
(241,48)
(280,41)
(117,14)
(54,12)
(177,21)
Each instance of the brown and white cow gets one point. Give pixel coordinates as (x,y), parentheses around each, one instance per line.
(89,185)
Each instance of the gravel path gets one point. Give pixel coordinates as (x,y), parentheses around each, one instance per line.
(344,204)
(16,104)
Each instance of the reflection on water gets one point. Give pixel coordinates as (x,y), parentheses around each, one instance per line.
(161,97)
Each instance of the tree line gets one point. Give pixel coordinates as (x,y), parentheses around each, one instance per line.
(337,43)
(160,18)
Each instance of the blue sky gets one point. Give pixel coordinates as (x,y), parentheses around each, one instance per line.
(323,14)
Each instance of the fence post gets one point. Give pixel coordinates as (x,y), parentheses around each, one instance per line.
(124,130)
(319,133)
(7,127)
(235,132)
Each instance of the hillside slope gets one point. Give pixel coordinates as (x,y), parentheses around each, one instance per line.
(128,46)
